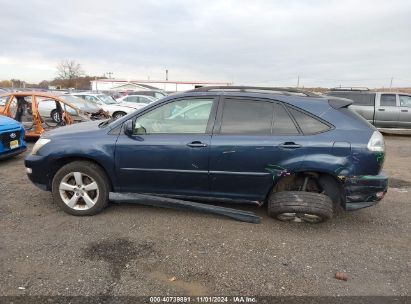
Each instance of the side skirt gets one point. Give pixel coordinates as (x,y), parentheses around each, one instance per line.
(172,203)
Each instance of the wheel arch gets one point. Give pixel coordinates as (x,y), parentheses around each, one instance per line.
(59,163)
(118,111)
(324,178)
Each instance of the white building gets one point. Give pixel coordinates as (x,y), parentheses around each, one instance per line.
(139,85)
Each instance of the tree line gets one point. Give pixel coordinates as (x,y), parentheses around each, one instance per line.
(69,75)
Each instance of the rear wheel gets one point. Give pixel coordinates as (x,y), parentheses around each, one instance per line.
(117,115)
(81,188)
(300,206)
(55,116)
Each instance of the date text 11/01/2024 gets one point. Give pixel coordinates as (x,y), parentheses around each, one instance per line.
(203,299)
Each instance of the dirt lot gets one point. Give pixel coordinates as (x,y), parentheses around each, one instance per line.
(135,250)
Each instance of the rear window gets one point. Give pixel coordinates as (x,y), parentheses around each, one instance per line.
(242,116)
(360,99)
(307,123)
(388,100)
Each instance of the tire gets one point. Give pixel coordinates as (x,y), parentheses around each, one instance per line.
(300,206)
(55,116)
(117,115)
(81,188)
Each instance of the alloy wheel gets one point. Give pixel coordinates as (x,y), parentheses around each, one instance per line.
(79,191)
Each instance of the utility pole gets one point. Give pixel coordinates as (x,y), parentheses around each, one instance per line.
(166,75)
(298,81)
(392,78)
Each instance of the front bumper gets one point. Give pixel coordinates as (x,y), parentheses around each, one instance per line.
(11,153)
(38,171)
(364,191)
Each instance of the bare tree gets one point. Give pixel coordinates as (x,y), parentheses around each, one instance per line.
(69,69)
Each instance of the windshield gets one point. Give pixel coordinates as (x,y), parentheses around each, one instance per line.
(107,99)
(80,103)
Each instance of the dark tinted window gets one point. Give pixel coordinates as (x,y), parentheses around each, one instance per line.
(388,100)
(283,124)
(360,99)
(241,116)
(308,124)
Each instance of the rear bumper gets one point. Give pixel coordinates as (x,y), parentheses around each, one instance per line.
(365,191)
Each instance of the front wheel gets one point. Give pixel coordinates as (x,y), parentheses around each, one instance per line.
(300,206)
(81,188)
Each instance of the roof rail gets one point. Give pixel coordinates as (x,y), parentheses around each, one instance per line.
(350,89)
(268,90)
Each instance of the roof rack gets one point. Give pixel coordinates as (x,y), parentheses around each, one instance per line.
(268,90)
(350,89)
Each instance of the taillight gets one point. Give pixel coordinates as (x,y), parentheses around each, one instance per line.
(376,142)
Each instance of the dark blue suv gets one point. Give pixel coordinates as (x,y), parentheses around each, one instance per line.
(302,154)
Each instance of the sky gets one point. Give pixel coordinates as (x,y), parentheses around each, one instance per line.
(268,43)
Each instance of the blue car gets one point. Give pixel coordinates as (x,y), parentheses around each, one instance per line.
(11,137)
(301,154)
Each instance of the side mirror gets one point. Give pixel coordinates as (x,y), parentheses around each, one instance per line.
(128,127)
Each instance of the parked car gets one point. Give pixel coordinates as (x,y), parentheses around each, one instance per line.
(390,112)
(136,100)
(48,108)
(24,107)
(11,137)
(301,154)
(157,94)
(108,104)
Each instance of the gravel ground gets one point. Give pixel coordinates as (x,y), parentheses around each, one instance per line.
(136,250)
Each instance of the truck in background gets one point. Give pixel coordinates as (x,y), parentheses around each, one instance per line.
(390,112)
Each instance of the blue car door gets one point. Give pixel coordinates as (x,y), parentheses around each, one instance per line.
(169,150)
(254,141)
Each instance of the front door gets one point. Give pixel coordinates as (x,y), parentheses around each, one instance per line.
(405,111)
(169,150)
(387,112)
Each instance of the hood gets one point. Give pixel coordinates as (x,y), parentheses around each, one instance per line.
(8,123)
(74,129)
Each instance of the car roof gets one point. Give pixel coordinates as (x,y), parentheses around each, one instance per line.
(30,93)
(39,94)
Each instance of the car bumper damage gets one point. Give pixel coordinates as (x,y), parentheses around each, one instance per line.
(364,191)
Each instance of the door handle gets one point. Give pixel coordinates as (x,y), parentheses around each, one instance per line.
(404,110)
(197,144)
(382,110)
(290,145)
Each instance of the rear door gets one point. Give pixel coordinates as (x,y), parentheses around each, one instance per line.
(405,111)
(387,112)
(253,140)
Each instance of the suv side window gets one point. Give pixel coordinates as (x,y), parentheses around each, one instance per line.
(186,116)
(244,116)
(388,100)
(307,123)
(283,124)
